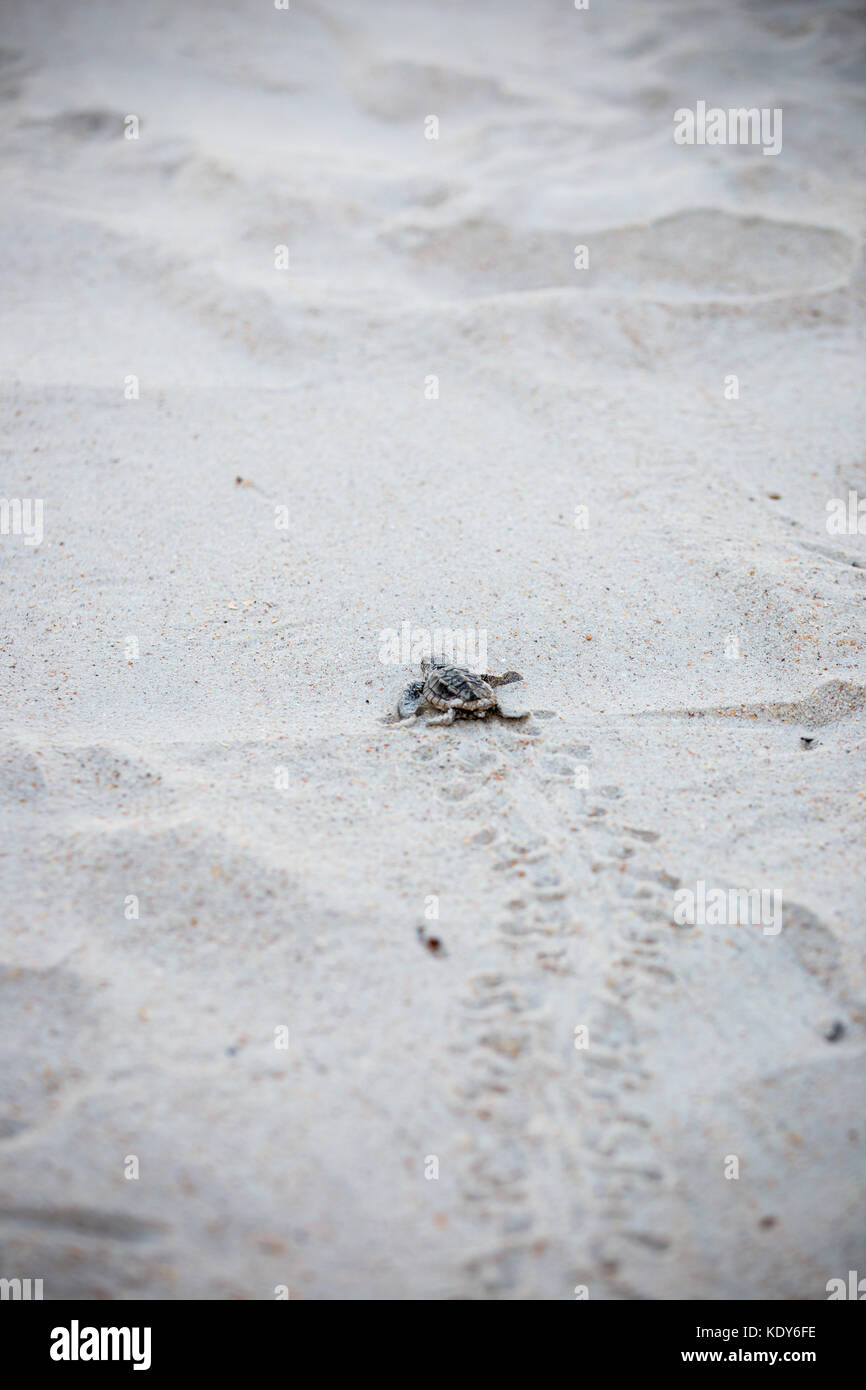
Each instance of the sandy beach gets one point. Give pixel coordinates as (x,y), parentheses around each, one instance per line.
(322,321)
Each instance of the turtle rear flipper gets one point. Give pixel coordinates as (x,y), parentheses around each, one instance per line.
(411,700)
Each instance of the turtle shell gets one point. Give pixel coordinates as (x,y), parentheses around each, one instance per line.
(452,687)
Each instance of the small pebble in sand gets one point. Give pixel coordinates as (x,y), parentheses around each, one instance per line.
(434,944)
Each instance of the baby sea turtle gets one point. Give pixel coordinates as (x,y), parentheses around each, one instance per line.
(455,690)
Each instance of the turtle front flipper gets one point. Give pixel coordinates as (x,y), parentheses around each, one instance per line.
(507,703)
(447,718)
(513,713)
(411,700)
(508,679)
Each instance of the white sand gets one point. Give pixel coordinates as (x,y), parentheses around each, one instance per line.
(258,648)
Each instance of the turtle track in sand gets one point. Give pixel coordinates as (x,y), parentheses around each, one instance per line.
(550,1121)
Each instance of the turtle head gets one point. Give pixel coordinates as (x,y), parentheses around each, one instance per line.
(431,663)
